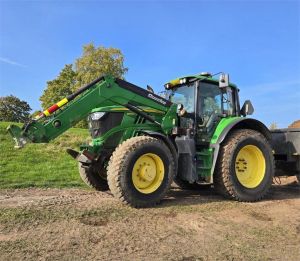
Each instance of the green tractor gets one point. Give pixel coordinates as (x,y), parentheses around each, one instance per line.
(194,133)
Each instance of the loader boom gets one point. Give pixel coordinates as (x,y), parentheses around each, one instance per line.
(105,91)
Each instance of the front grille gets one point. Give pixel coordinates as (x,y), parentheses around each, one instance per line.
(104,124)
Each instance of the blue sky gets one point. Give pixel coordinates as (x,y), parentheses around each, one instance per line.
(257,42)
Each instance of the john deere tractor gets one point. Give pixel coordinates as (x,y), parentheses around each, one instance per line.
(194,133)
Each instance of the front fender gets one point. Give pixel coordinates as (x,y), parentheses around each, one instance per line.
(167,141)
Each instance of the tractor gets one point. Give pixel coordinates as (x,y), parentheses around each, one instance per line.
(193,133)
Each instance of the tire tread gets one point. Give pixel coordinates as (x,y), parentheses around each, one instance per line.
(117,164)
(222,180)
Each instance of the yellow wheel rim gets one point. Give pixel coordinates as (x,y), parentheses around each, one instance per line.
(250,166)
(148,173)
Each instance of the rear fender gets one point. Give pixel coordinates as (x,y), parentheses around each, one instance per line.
(233,124)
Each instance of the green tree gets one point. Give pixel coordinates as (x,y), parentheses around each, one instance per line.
(95,62)
(14,109)
(60,87)
(273,126)
(35,113)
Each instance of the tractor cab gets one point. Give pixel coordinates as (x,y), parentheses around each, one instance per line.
(203,101)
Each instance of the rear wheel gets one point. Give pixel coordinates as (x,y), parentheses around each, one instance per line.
(94,177)
(245,166)
(140,171)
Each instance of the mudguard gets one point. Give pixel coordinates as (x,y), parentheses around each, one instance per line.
(167,141)
(227,125)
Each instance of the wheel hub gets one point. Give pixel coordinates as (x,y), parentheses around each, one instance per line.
(148,173)
(241,165)
(250,166)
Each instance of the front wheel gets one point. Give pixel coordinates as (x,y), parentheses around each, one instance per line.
(94,177)
(140,171)
(245,166)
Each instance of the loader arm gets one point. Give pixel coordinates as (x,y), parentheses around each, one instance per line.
(104,91)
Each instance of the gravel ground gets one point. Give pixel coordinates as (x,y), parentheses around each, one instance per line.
(78,224)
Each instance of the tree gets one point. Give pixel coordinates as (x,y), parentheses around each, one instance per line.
(35,113)
(60,87)
(273,126)
(14,109)
(95,62)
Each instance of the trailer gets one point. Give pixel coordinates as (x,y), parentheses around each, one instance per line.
(286,150)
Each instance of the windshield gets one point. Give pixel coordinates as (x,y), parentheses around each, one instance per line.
(185,95)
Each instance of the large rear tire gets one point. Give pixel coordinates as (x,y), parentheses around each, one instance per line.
(140,171)
(245,166)
(94,177)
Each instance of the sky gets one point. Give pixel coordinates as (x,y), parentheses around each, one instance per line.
(256,42)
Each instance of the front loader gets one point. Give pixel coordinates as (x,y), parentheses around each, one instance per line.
(196,133)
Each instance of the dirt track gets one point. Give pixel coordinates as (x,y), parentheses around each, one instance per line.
(69,224)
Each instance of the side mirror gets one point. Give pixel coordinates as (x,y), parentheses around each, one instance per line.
(224,80)
(247,108)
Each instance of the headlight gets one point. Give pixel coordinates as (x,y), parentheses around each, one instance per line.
(97,115)
(167,85)
(182,81)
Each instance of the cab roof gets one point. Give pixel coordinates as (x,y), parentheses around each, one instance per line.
(205,77)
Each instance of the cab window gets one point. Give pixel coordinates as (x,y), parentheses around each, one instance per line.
(209,100)
(184,95)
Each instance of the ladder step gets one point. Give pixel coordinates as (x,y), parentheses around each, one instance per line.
(203,154)
(203,168)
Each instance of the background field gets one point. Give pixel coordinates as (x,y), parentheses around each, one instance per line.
(40,165)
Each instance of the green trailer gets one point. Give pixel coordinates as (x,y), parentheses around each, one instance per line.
(194,133)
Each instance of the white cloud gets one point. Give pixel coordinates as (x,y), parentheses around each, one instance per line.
(11,62)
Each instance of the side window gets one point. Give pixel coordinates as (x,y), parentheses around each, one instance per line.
(209,100)
(212,104)
(228,102)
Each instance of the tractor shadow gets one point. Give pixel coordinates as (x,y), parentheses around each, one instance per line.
(207,194)
(284,191)
(178,196)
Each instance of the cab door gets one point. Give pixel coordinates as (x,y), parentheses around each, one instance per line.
(209,110)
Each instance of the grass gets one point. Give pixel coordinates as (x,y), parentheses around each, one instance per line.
(22,218)
(40,165)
